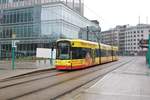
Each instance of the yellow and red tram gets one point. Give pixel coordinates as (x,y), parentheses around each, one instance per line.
(77,54)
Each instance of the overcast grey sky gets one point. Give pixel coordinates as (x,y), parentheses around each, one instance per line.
(117,12)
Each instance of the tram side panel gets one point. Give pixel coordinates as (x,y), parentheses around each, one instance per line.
(103,56)
(86,58)
(97,56)
(81,56)
(110,56)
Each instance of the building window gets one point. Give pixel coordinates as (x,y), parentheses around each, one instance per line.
(134,31)
(141,31)
(142,35)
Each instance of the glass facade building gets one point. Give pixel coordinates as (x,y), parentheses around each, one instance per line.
(39,25)
(76,5)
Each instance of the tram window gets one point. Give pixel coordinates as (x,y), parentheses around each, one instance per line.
(97,53)
(63,51)
(109,53)
(114,53)
(103,53)
(84,52)
(76,53)
(80,53)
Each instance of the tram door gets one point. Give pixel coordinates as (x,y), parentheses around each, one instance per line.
(93,55)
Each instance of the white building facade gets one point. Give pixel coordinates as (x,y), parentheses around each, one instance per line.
(133,35)
(110,37)
(127,38)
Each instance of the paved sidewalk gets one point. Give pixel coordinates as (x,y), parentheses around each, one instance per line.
(7,65)
(130,82)
(11,73)
(22,68)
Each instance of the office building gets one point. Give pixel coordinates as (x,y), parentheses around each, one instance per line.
(38,23)
(127,38)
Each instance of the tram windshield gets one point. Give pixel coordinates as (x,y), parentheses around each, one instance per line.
(63,49)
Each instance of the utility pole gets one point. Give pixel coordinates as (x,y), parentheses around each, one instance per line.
(98,40)
(0,52)
(87,32)
(149,51)
(1,17)
(147,20)
(139,20)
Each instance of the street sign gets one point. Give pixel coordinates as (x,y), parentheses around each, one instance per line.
(143,43)
(14,43)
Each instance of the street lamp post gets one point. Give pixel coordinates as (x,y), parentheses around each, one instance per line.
(13,51)
(87,33)
(51,51)
(99,46)
(0,52)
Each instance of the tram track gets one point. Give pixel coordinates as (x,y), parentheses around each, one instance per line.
(39,75)
(28,74)
(19,80)
(63,80)
(16,81)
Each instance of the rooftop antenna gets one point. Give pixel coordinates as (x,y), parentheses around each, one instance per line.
(139,20)
(146,19)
